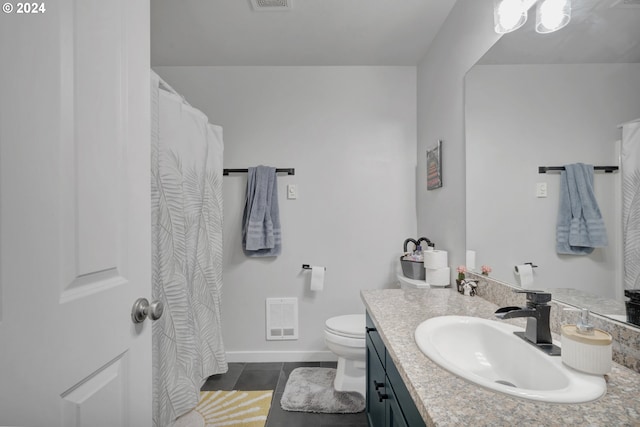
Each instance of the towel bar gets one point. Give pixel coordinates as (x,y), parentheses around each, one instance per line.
(606,169)
(289,171)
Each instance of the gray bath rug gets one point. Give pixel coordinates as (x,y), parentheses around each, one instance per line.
(311,390)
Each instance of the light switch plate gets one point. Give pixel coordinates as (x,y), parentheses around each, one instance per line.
(541,189)
(292,191)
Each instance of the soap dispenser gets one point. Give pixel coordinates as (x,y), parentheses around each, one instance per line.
(586,348)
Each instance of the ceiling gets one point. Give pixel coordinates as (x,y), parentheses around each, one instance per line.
(372,32)
(312,32)
(600,31)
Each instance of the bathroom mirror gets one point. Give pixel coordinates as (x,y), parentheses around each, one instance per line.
(549,100)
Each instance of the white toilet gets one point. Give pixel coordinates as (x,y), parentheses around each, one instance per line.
(345,336)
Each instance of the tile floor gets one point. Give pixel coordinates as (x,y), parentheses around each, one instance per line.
(273,376)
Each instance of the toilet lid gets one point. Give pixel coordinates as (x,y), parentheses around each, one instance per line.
(350,325)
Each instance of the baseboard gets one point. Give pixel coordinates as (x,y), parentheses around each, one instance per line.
(280,356)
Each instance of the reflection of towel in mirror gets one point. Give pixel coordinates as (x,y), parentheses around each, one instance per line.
(580,227)
(261,233)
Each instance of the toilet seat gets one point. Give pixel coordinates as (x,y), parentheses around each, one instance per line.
(348,326)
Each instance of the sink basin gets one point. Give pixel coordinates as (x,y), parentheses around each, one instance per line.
(487,353)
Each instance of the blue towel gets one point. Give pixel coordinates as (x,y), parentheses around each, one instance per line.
(261,233)
(580,227)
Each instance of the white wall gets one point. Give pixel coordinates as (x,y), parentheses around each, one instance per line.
(520,117)
(350,134)
(465,36)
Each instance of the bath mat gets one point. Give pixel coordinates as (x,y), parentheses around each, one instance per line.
(229,408)
(311,390)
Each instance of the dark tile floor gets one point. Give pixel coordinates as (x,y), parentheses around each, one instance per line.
(273,376)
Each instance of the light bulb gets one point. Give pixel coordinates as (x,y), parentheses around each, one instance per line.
(552,15)
(508,15)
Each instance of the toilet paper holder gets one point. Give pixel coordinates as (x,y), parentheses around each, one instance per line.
(308,267)
(529,263)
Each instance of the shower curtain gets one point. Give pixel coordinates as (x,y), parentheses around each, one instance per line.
(630,159)
(186,199)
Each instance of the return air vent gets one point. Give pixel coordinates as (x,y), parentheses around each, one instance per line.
(282,319)
(271,5)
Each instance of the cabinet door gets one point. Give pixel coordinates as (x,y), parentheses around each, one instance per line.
(401,395)
(376,388)
(394,416)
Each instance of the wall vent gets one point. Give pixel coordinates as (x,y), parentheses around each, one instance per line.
(270,5)
(282,319)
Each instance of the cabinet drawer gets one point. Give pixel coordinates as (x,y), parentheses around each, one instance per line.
(374,336)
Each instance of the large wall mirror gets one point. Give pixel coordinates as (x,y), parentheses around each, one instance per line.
(549,100)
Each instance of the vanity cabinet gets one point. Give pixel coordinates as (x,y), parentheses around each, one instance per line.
(388,400)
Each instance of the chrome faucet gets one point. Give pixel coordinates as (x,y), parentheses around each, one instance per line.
(537,312)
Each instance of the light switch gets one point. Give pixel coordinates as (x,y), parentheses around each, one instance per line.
(292,191)
(541,189)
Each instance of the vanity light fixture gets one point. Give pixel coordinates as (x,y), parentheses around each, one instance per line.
(509,15)
(551,15)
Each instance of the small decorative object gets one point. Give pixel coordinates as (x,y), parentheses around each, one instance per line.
(470,287)
(467,287)
(434,167)
(460,280)
(485,270)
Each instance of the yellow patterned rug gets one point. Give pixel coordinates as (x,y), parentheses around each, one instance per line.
(229,408)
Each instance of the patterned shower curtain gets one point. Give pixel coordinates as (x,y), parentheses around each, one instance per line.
(630,159)
(186,197)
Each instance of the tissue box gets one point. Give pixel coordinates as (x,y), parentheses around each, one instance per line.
(412,269)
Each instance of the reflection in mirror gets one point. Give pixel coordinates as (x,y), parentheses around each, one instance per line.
(550,100)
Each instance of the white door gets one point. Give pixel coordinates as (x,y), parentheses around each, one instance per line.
(74,213)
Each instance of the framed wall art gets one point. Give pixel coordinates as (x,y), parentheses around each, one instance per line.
(434,167)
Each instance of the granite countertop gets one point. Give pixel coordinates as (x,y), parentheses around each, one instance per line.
(443,399)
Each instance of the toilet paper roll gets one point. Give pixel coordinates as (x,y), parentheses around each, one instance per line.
(438,276)
(317,278)
(524,273)
(471,260)
(436,259)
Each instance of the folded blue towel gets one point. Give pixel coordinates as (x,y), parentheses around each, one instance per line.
(565,216)
(589,230)
(261,232)
(580,227)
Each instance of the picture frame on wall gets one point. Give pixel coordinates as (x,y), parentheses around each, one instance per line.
(434,167)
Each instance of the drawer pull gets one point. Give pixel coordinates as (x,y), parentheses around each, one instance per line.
(382,397)
(377,385)
(370,329)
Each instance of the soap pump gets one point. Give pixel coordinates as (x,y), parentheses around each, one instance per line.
(584,327)
(586,348)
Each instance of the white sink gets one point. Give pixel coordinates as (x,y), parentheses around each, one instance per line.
(487,353)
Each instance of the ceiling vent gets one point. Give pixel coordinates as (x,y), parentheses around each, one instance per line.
(270,5)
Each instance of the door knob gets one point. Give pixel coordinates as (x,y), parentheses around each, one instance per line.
(142,309)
